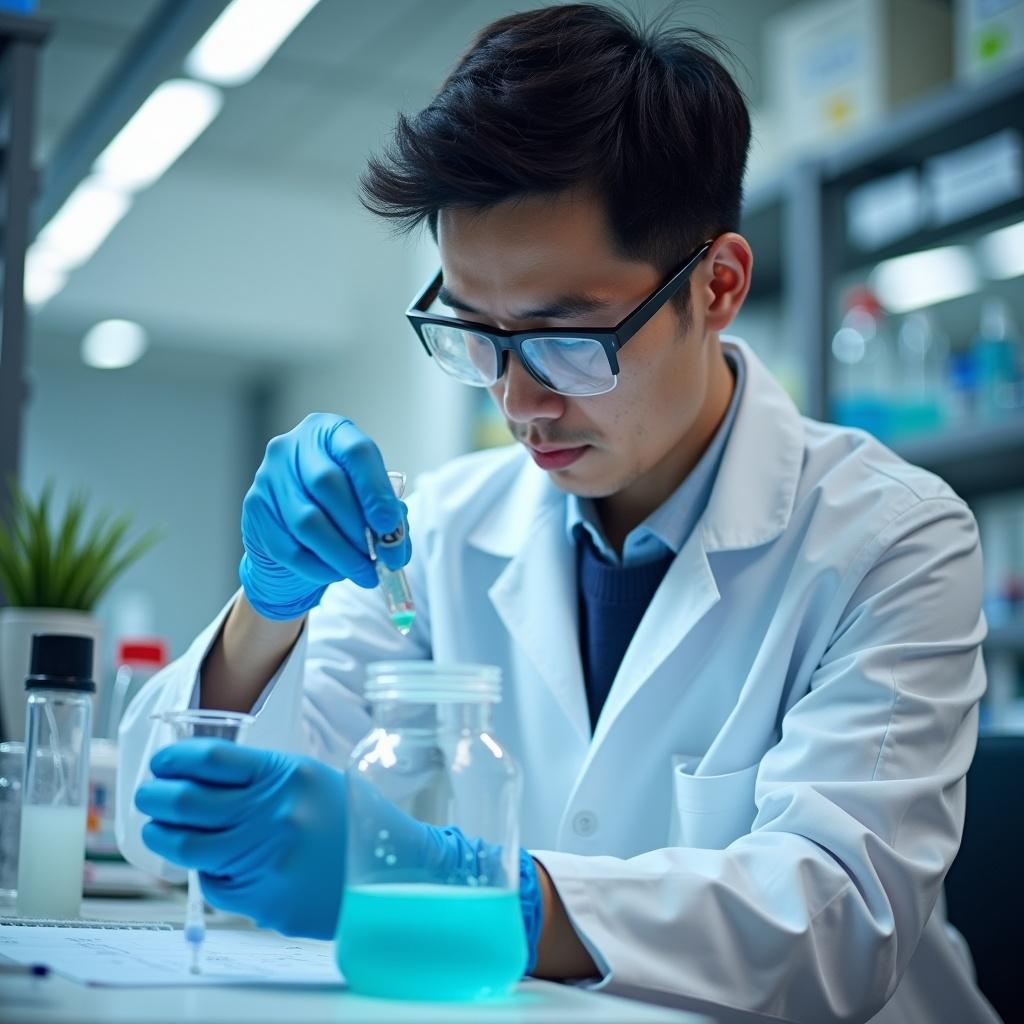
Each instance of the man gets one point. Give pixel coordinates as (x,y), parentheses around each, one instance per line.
(740,648)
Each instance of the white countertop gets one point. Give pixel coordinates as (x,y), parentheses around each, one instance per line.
(53,999)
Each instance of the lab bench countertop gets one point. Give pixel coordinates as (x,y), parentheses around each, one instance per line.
(57,1000)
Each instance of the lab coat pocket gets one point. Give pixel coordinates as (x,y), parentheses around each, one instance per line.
(710,811)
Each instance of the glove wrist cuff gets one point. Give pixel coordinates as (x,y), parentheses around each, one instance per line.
(281,608)
(531,901)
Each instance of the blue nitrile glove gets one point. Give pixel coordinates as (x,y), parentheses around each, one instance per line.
(267,832)
(304,519)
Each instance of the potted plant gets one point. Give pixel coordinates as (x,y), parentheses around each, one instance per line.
(52,577)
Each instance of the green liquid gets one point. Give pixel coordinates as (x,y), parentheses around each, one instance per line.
(437,942)
(403,621)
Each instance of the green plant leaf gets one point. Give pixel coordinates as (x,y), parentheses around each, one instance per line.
(67,564)
(14,570)
(40,528)
(95,556)
(21,517)
(106,577)
(67,547)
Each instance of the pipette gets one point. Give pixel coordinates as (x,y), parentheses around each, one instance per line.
(195,920)
(192,724)
(393,584)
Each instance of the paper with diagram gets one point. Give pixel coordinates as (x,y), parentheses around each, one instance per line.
(142,957)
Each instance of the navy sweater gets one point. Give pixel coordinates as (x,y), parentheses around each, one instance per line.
(613,600)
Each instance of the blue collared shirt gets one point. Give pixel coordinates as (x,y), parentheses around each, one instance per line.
(667,528)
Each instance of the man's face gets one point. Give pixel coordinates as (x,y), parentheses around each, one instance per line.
(529,254)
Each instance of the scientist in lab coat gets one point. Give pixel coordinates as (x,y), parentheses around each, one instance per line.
(740,648)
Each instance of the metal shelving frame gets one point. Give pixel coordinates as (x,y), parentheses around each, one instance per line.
(21,39)
(796,225)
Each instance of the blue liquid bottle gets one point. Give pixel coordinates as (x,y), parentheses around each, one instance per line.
(403,934)
(431,942)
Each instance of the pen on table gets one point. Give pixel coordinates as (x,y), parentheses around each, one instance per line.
(36,970)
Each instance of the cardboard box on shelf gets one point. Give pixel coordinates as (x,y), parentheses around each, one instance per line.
(837,67)
(989,36)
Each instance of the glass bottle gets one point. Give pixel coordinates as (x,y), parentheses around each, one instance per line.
(922,353)
(861,367)
(994,351)
(405,931)
(58,724)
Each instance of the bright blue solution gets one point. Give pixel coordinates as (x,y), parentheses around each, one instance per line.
(431,942)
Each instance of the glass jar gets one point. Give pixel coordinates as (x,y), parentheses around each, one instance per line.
(12,774)
(58,724)
(409,929)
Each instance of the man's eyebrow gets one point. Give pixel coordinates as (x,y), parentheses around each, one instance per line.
(566,307)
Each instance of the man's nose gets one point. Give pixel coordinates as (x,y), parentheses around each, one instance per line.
(524,399)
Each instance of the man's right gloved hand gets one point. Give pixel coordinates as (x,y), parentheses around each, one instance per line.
(304,519)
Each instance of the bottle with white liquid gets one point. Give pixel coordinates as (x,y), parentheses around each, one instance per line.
(55,796)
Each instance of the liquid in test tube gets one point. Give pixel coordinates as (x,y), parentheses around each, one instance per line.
(393,584)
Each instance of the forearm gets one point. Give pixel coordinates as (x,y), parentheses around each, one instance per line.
(244,657)
(560,953)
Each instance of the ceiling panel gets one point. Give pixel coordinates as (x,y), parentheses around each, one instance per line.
(263,121)
(87,41)
(253,244)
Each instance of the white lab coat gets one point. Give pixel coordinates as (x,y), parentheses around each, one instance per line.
(774,790)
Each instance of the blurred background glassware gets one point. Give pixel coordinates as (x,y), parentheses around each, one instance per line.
(862,365)
(58,727)
(138,659)
(995,351)
(12,774)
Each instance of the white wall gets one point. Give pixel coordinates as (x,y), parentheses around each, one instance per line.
(169,450)
(381,378)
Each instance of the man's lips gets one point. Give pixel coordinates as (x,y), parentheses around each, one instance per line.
(548,457)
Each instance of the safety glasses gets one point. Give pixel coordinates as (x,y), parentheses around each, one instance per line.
(579,362)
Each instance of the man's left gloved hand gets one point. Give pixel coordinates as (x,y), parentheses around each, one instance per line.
(267,832)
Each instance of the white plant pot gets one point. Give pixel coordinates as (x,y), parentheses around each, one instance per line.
(17,626)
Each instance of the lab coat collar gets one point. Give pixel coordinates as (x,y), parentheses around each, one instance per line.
(752,497)
(536,594)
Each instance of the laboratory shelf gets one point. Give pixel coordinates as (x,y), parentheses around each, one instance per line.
(955,115)
(974,460)
(21,38)
(762,224)
(1007,638)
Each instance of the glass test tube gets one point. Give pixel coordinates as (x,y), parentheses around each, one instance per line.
(193,724)
(393,584)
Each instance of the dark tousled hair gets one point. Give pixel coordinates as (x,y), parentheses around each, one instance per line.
(578,96)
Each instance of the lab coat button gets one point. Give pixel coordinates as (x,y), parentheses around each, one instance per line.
(584,823)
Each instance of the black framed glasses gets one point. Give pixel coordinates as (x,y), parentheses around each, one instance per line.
(579,362)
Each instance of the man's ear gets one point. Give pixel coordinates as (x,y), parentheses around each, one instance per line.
(725,280)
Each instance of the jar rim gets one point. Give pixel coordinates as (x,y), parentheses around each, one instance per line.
(432,682)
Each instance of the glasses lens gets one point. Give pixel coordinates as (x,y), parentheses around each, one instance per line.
(467,356)
(570,366)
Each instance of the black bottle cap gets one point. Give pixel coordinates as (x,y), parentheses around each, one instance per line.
(61,662)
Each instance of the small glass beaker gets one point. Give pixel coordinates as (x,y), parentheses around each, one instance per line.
(12,775)
(403,932)
(197,722)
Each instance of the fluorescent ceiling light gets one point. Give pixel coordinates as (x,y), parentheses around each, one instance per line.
(1003,252)
(114,344)
(244,38)
(173,116)
(924,278)
(43,278)
(79,227)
